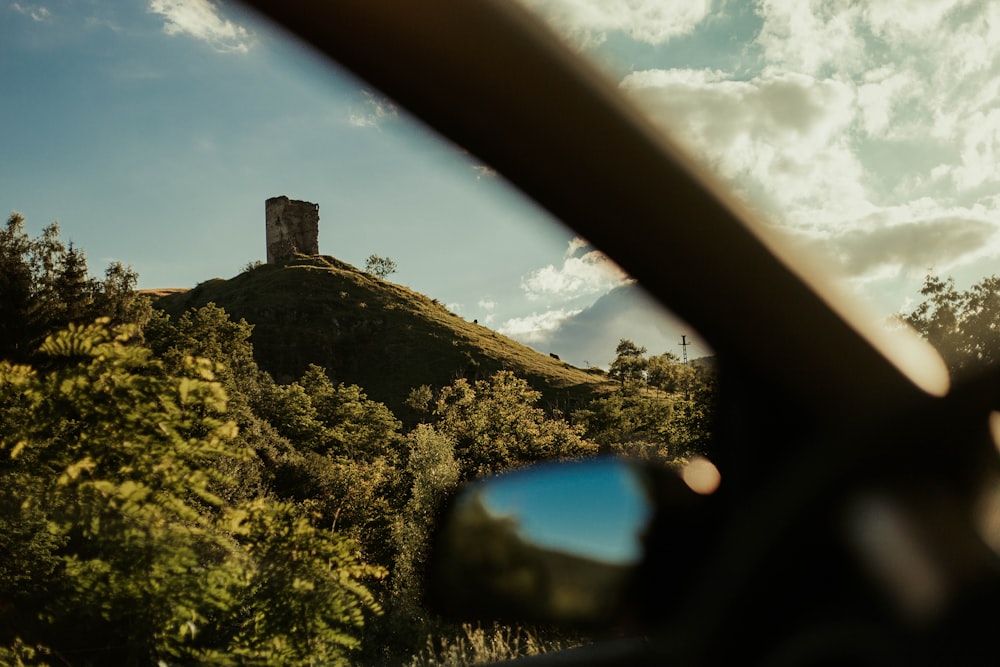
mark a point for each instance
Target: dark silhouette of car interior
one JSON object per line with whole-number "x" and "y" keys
{"x": 851, "y": 524}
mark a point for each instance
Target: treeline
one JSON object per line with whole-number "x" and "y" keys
{"x": 45, "y": 285}
{"x": 963, "y": 326}
{"x": 163, "y": 500}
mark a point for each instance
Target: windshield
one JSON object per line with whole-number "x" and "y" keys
{"x": 255, "y": 325}
{"x": 161, "y": 131}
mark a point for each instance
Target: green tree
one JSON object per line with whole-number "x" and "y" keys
{"x": 354, "y": 426}
{"x": 342, "y": 456}
{"x": 664, "y": 427}
{"x": 419, "y": 399}
{"x": 117, "y": 299}
{"x": 305, "y": 591}
{"x": 667, "y": 373}
{"x": 290, "y": 410}
{"x": 380, "y": 267}
{"x": 120, "y": 546}
{"x": 209, "y": 333}
{"x": 629, "y": 364}
{"x": 356, "y": 498}
{"x": 631, "y": 423}
{"x": 45, "y": 285}
{"x": 119, "y": 460}
{"x": 963, "y": 326}
{"x": 433, "y": 473}
{"x": 335, "y": 420}
{"x": 15, "y": 288}
{"x": 496, "y": 425}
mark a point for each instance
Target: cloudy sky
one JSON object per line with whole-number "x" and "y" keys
{"x": 154, "y": 131}
{"x": 870, "y": 130}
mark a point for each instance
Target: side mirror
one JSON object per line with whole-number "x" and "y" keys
{"x": 563, "y": 543}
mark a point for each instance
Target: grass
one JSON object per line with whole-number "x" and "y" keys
{"x": 478, "y": 646}
{"x": 374, "y": 333}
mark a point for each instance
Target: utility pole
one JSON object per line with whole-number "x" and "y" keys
{"x": 684, "y": 349}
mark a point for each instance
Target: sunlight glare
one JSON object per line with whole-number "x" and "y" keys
{"x": 987, "y": 513}
{"x": 701, "y": 476}
{"x": 893, "y": 553}
{"x": 995, "y": 428}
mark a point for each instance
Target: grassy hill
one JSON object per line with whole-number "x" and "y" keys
{"x": 376, "y": 334}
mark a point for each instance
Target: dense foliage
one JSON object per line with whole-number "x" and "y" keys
{"x": 662, "y": 412}
{"x": 120, "y": 548}
{"x": 629, "y": 365}
{"x": 164, "y": 500}
{"x": 963, "y": 326}
{"x": 381, "y": 336}
{"x": 45, "y": 285}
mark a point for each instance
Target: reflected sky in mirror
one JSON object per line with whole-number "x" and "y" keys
{"x": 597, "y": 509}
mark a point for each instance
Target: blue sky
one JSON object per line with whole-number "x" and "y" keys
{"x": 154, "y": 131}
{"x": 597, "y": 509}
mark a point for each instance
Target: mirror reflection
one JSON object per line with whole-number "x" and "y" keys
{"x": 594, "y": 510}
{"x": 555, "y": 542}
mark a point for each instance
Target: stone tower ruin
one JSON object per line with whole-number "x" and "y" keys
{"x": 292, "y": 227}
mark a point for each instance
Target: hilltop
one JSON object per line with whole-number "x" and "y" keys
{"x": 373, "y": 333}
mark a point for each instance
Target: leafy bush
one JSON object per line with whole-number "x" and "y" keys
{"x": 496, "y": 426}
{"x": 45, "y": 285}
{"x": 381, "y": 267}
{"x": 304, "y": 592}
{"x": 121, "y": 548}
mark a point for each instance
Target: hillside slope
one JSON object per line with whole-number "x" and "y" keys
{"x": 376, "y": 334}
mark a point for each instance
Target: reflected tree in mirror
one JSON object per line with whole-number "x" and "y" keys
{"x": 557, "y": 542}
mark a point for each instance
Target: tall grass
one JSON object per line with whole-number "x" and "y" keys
{"x": 484, "y": 646}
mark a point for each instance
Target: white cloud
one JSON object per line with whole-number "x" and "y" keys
{"x": 589, "y": 337}
{"x": 907, "y": 19}
{"x": 924, "y": 70}
{"x": 201, "y": 19}
{"x": 871, "y": 128}
{"x": 483, "y": 171}
{"x": 537, "y": 327}
{"x": 810, "y": 36}
{"x": 781, "y": 134}
{"x": 575, "y": 245}
{"x": 879, "y": 95}
{"x": 36, "y": 12}
{"x": 93, "y": 22}
{"x": 580, "y": 275}
{"x": 882, "y": 250}
{"x": 980, "y": 151}
{"x": 587, "y": 22}
{"x": 377, "y": 110}
{"x": 488, "y": 305}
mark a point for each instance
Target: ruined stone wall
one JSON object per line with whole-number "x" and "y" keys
{"x": 292, "y": 227}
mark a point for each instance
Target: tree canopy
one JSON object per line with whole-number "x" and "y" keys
{"x": 963, "y": 326}
{"x": 629, "y": 365}
{"x": 164, "y": 500}
{"x": 45, "y": 285}
{"x": 380, "y": 267}
{"x": 113, "y": 484}
{"x": 497, "y": 426}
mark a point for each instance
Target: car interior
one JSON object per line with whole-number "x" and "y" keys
{"x": 849, "y": 522}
